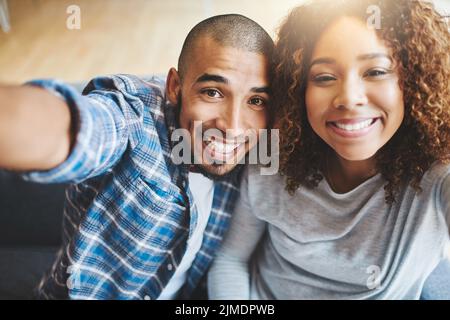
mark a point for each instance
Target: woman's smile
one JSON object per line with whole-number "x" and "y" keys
{"x": 353, "y": 128}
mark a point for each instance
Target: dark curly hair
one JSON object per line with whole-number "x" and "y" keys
{"x": 420, "y": 41}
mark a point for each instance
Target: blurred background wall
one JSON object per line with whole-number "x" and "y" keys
{"x": 115, "y": 36}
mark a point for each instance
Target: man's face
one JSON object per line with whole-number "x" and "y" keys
{"x": 225, "y": 90}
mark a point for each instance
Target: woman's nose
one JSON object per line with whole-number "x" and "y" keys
{"x": 351, "y": 94}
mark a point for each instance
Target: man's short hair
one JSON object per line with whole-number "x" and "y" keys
{"x": 228, "y": 30}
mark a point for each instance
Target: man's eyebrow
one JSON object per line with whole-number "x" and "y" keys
{"x": 206, "y": 77}
{"x": 367, "y": 56}
{"x": 260, "y": 90}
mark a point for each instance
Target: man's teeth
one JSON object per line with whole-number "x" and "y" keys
{"x": 223, "y": 147}
{"x": 354, "y": 126}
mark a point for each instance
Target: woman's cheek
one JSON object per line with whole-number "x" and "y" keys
{"x": 389, "y": 99}
{"x": 317, "y": 102}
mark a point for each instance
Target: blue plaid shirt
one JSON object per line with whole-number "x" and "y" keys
{"x": 128, "y": 212}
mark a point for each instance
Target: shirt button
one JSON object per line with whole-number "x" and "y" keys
{"x": 169, "y": 267}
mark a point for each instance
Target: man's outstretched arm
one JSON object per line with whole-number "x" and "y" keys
{"x": 35, "y": 129}
{"x": 53, "y": 134}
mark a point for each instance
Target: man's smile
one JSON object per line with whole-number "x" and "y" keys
{"x": 222, "y": 150}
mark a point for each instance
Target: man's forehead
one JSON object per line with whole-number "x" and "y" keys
{"x": 210, "y": 50}
{"x": 207, "y": 42}
{"x": 231, "y": 76}
{"x": 229, "y": 62}
{"x": 227, "y": 65}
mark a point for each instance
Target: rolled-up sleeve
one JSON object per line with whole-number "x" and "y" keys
{"x": 106, "y": 120}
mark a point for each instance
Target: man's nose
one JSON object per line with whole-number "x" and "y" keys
{"x": 351, "y": 94}
{"x": 232, "y": 121}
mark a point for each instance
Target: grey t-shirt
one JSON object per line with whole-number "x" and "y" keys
{"x": 318, "y": 244}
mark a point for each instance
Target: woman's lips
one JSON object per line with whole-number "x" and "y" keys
{"x": 353, "y": 128}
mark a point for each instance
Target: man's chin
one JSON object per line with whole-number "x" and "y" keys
{"x": 218, "y": 171}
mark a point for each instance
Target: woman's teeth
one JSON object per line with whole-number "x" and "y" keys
{"x": 354, "y": 126}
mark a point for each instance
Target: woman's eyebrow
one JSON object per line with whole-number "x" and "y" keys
{"x": 370, "y": 56}
{"x": 323, "y": 61}
{"x": 366, "y": 56}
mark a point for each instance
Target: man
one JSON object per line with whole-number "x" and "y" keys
{"x": 137, "y": 224}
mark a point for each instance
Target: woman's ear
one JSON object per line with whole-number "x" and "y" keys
{"x": 173, "y": 86}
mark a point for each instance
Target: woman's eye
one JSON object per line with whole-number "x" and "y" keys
{"x": 212, "y": 93}
{"x": 323, "y": 78}
{"x": 376, "y": 73}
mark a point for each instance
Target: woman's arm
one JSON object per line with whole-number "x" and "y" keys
{"x": 229, "y": 276}
{"x": 445, "y": 199}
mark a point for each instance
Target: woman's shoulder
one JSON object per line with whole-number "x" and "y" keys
{"x": 258, "y": 176}
{"x": 437, "y": 174}
{"x": 440, "y": 175}
{"x": 437, "y": 181}
{"x": 259, "y": 184}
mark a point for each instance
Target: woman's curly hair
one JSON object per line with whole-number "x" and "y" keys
{"x": 420, "y": 41}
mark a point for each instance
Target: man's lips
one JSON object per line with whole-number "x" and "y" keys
{"x": 219, "y": 139}
{"x": 223, "y": 148}
{"x": 219, "y": 150}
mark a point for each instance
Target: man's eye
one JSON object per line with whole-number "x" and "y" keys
{"x": 257, "y": 101}
{"x": 212, "y": 93}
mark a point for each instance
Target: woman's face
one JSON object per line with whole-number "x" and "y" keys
{"x": 353, "y": 99}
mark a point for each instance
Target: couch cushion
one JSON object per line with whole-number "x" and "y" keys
{"x": 21, "y": 269}
{"x": 30, "y": 213}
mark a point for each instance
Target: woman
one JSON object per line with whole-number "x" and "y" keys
{"x": 364, "y": 156}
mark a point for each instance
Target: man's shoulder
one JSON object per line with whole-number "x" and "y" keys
{"x": 149, "y": 84}
{"x": 143, "y": 96}
{"x": 128, "y": 84}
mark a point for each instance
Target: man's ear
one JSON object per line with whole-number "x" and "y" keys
{"x": 173, "y": 86}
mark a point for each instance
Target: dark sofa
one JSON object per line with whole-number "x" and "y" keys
{"x": 30, "y": 233}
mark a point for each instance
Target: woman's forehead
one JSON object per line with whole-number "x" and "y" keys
{"x": 348, "y": 37}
